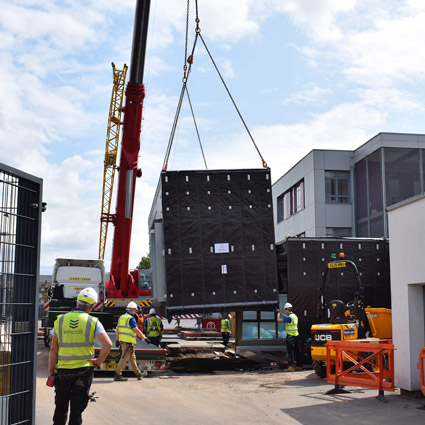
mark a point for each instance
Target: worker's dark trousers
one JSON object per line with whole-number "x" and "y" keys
{"x": 155, "y": 340}
{"x": 225, "y": 336}
{"x": 72, "y": 387}
{"x": 294, "y": 350}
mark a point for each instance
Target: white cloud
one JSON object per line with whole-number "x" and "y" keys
{"x": 389, "y": 52}
{"x": 316, "y": 18}
{"x": 390, "y": 99}
{"x": 55, "y": 80}
{"x": 345, "y": 126}
{"x": 312, "y": 93}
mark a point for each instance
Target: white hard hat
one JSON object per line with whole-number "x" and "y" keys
{"x": 287, "y": 305}
{"x": 152, "y": 311}
{"x": 88, "y": 295}
{"x": 131, "y": 305}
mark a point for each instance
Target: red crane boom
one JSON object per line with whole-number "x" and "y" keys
{"x": 122, "y": 283}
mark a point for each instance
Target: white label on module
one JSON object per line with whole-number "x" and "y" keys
{"x": 224, "y": 269}
{"x": 221, "y": 248}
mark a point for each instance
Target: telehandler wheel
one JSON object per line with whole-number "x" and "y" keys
{"x": 319, "y": 368}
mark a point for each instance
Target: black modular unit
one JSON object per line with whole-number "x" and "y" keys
{"x": 219, "y": 240}
{"x": 306, "y": 263}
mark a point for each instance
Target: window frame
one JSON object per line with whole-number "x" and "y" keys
{"x": 337, "y": 177}
{"x": 293, "y": 200}
{"x": 258, "y": 320}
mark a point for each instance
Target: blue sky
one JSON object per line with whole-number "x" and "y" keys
{"x": 306, "y": 74}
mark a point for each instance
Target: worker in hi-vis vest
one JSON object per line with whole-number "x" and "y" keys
{"x": 153, "y": 327}
{"x": 225, "y": 329}
{"x": 292, "y": 338}
{"x": 126, "y": 334}
{"x": 71, "y": 358}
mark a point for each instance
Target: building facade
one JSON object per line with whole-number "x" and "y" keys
{"x": 345, "y": 193}
{"x": 407, "y": 289}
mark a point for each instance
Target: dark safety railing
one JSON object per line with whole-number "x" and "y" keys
{"x": 20, "y": 217}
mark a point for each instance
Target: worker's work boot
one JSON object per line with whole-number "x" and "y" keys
{"x": 298, "y": 369}
{"x": 119, "y": 378}
{"x": 139, "y": 377}
{"x": 290, "y": 369}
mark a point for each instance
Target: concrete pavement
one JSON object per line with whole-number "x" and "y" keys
{"x": 230, "y": 398}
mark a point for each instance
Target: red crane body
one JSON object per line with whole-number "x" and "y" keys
{"x": 122, "y": 283}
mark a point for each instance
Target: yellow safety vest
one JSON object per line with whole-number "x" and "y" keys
{"x": 225, "y": 325}
{"x": 76, "y": 333}
{"x": 125, "y": 332}
{"x": 154, "y": 326}
{"x": 292, "y": 327}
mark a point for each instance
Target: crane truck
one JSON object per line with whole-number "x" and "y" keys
{"x": 70, "y": 275}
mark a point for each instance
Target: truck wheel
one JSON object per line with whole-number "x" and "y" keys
{"x": 319, "y": 368}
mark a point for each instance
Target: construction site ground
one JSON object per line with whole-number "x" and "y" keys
{"x": 234, "y": 394}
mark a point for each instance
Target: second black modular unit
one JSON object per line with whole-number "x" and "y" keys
{"x": 302, "y": 263}
{"x": 219, "y": 240}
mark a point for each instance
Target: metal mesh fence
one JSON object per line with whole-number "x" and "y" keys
{"x": 20, "y": 212}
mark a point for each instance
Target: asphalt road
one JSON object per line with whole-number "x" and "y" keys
{"x": 230, "y": 398}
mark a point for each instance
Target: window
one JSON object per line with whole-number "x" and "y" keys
{"x": 338, "y": 231}
{"x": 259, "y": 325}
{"x": 337, "y": 184}
{"x": 292, "y": 200}
{"x": 402, "y": 175}
{"x": 279, "y": 208}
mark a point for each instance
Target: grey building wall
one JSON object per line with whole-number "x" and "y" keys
{"x": 317, "y": 215}
{"x": 370, "y": 194}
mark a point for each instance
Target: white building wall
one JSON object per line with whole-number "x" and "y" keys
{"x": 407, "y": 247}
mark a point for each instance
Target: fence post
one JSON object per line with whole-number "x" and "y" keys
{"x": 338, "y": 389}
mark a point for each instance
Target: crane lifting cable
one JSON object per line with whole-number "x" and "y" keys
{"x": 111, "y": 149}
{"x": 184, "y": 90}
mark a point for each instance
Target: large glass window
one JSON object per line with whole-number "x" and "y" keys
{"x": 293, "y": 200}
{"x": 259, "y": 325}
{"x": 338, "y": 231}
{"x": 362, "y": 229}
{"x": 337, "y": 186}
{"x": 375, "y": 182}
{"x": 267, "y": 330}
{"x": 279, "y": 208}
{"x": 402, "y": 177}
{"x": 361, "y": 193}
{"x": 376, "y": 227}
{"x": 423, "y": 168}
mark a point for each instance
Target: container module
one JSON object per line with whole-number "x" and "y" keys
{"x": 302, "y": 263}
{"x": 218, "y": 240}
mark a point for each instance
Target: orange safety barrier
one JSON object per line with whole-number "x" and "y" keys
{"x": 421, "y": 369}
{"x": 367, "y": 364}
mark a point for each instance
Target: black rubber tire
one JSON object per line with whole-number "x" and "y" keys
{"x": 319, "y": 368}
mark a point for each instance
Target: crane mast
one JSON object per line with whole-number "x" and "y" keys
{"x": 123, "y": 284}
{"x": 111, "y": 150}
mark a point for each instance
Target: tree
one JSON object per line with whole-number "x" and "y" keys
{"x": 145, "y": 262}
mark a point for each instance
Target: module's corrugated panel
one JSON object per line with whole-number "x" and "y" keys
{"x": 219, "y": 240}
